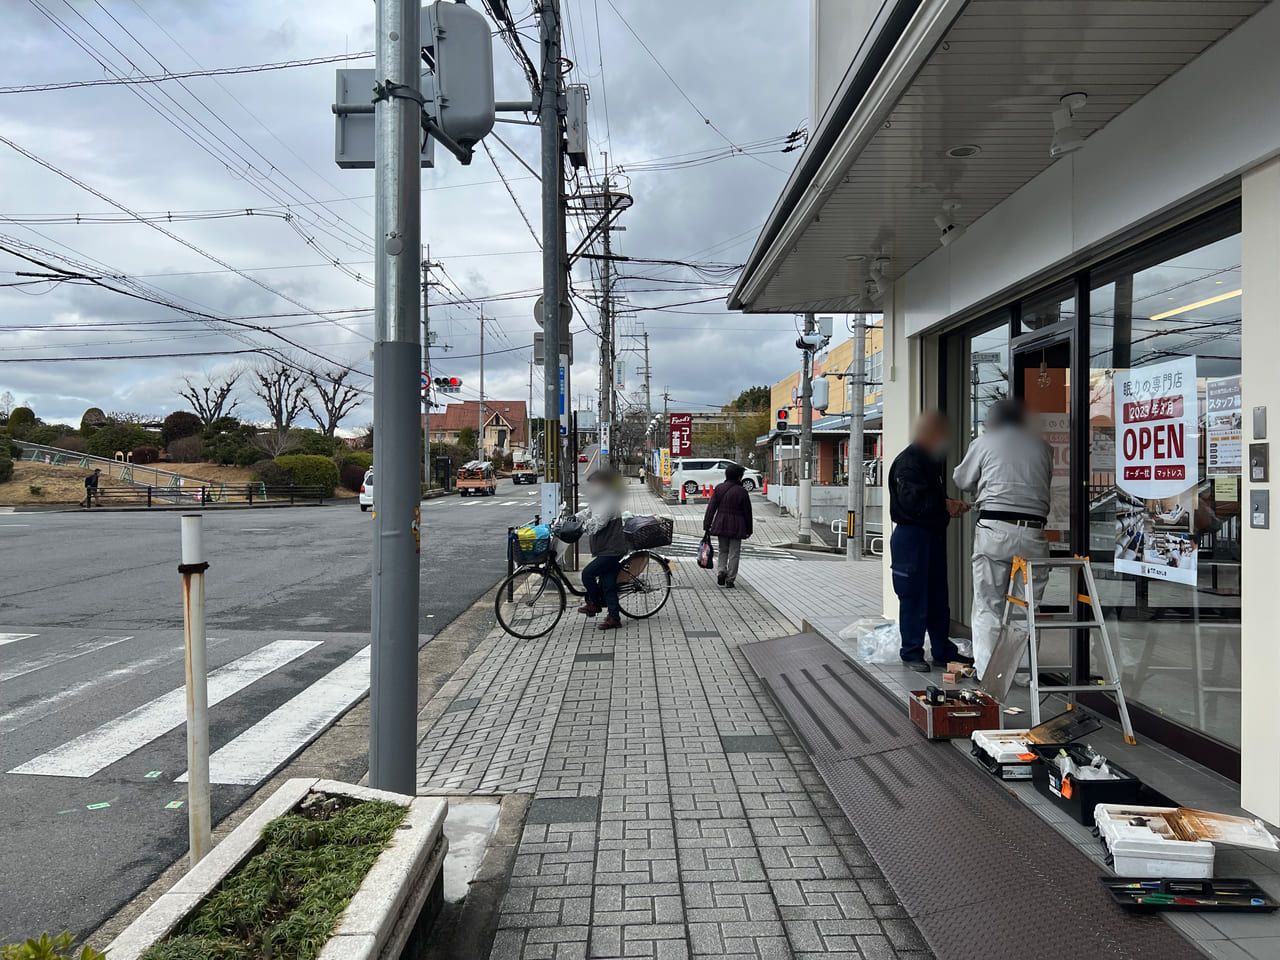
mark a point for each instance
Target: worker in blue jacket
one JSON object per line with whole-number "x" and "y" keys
{"x": 921, "y": 510}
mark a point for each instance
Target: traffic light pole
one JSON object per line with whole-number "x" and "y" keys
{"x": 856, "y": 525}
{"x": 549, "y": 120}
{"x": 805, "y": 505}
{"x": 393, "y": 688}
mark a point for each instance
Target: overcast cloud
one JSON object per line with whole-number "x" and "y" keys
{"x": 743, "y": 62}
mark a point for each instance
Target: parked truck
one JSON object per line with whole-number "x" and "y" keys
{"x": 523, "y": 469}
{"x": 477, "y": 479}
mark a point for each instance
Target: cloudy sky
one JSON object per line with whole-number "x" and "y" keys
{"x": 216, "y": 147}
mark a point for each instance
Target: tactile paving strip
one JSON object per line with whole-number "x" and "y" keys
{"x": 981, "y": 875}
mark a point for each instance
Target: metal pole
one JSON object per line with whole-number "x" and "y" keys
{"x": 804, "y": 506}
{"x": 549, "y": 119}
{"x": 648, "y": 397}
{"x": 426, "y": 371}
{"x": 393, "y": 692}
{"x": 480, "y": 435}
{"x": 192, "y": 568}
{"x": 857, "y": 521}
{"x": 606, "y": 336}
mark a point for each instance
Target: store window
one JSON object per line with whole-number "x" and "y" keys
{"x": 1165, "y": 445}
{"x": 1055, "y": 305}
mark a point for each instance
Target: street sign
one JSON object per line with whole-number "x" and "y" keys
{"x": 986, "y": 356}
{"x": 681, "y": 433}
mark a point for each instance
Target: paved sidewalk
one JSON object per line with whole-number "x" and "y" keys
{"x": 674, "y": 814}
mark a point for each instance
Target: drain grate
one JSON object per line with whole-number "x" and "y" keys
{"x": 980, "y": 874}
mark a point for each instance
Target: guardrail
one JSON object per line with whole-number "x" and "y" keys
{"x": 140, "y": 475}
{"x": 874, "y": 538}
{"x": 211, "y": 494}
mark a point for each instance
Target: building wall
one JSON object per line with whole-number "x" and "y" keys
{"x": 837, "y": 29}
{"x": 1260, "y": 344}
{"x": 1205, "y": 125}
{"x": 836, "y": 360}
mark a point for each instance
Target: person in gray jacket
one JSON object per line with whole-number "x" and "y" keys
{"x": 1011, "y": 469}
{"x": 603, "y": 520}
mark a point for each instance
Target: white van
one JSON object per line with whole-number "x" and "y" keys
{"x": 694, "y": 474}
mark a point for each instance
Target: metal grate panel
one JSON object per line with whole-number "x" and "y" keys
{"x": 981, "y": 875}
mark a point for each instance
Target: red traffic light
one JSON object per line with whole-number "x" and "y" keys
{"x": 782, "y": 413}
{"x": 455, "y": 382}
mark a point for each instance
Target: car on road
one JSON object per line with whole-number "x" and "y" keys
{"x": 366, "y": 491}
{"x": 693, "y": 475}
{"x": 522, "y": 471}
{"x": 583, "y": 458}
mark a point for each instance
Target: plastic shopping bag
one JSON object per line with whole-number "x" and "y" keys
{"x": 706, "y": 554}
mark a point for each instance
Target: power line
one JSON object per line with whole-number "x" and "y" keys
{"x": 159, "y": 78}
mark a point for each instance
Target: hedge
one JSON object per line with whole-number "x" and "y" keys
{"x": 305, "y": 470}
{"x": 359, "y": 458}
{"x": 270, "y": 473}
{"x": 6, "y": 468}
{"x": 353, "y": 477}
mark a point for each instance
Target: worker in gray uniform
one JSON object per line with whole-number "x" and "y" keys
{"x": 1010, "y": 469}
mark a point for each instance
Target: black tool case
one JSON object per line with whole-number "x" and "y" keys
{"x": 1000, "y": 752}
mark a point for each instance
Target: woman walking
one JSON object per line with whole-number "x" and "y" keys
{"x": 728, "y": 519}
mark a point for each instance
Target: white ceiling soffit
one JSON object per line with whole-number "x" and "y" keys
{"x": 992, "y": 78}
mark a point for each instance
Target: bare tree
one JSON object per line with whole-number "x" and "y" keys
{"x": 275, "y": 442}
{"x": 333, "y": 398}
{"x": 6, "y": 404}
{"x": 281, "y": 388}
{"x": 212, "y": 399}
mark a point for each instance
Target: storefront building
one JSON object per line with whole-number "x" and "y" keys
{"x": 1124, "y": 287}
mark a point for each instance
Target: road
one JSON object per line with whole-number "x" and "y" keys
{"x": 92, "y": 738}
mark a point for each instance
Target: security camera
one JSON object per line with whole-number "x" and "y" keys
{"x": 882, "y": 284}
{"x": 948, "y": 229}
{"x": 1066, "y": 138}
{"x": 810, "y": 341}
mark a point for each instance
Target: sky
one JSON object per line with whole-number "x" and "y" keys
{"x": 716, "y": 75}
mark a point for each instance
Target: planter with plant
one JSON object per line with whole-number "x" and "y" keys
{"x": 60, "y": 947}
{"x": 320, "y": 871}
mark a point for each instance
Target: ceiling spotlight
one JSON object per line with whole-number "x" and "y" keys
{"x": 878, "y": 280}
{"x": 1066, "y": 138}
{"x": 946, "y": 221}
{"x": 963, "y": 151}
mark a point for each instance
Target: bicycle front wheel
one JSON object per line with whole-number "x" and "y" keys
{"x": 529, "y": 603}
{"x": 644, "y": 584}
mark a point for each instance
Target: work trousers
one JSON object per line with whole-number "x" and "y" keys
{"x": 600, "y": 577}
{"x": 995, "y": 544}
{"x": 919, "y": 560}
{"x": 729, "y": 550}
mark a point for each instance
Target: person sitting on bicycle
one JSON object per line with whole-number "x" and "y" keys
{"x": 603, "y": 519}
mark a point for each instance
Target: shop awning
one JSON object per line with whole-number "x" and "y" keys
{"x": 935, "y": 79}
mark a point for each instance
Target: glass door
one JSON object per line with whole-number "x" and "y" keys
{"x": 1042, "y": 381}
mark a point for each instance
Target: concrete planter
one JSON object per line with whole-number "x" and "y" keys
{"x": 405, "y": 883}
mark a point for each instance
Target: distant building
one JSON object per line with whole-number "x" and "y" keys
{"x": 506, "y": 424}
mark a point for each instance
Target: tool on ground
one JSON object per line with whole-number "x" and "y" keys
{"x": 1009, "y": 648}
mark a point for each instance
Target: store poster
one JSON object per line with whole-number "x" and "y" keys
{"x": 1157, "y": 450}
{"x": 1056, "y": 430}
{"x": 1224, "y": 427}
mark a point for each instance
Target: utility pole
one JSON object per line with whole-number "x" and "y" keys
{"x": 606, "y": 330}
{"x": 805, "y": 506}
{"x": 393, "y": 690}
{"x": 427, "y": 266}
{"x": 648, "y": 399}
{"x": 549, "y": 113}
{"x": 480, "y": 435}
{"x": 856, "y": 524}
{"x": 528, "y": 414}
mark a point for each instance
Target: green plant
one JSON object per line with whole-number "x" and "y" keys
{"x": 312, "y": 442}
{"x": 270, "y": 473}
{"x": 352, "y": 476}
{"x": 360, "y": 458}
{"x": 180, "y": 424}
{"x": 6, "y": 468}
{"x": 115, "y": 438}
{"x": 21, "y": 420}
{"x": 305, "y": 470}
{"x": 467, "y": 440}
{"x": 73, "y": 443}
{"x": 186, "y": 450}
{"x": 287, "y": 899}
{"x": 92, "y": 420}
{"x": 227, "y": 440}
{"x": 60, "y": 947}
{"x": 35, "y": 491}
{"x": 146, "y": 454}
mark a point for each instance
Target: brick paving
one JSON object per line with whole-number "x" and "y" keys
{"x": 771, "y": 527}
{"x": 674, "y": 814}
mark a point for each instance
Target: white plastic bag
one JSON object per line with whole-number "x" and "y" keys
{"x": 963, "y": 647}
{"x": 882, "y": 644}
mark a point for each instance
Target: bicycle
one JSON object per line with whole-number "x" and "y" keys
{"x": 532, "y": 599}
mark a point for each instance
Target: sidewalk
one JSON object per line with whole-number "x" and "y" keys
{"x": 674, "y": 814}
{"x": 771, "y": 527}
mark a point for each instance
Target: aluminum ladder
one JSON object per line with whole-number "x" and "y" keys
{"x": 1075, "y": 567}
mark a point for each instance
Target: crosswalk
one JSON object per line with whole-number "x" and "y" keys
{"x": 266, "y": 704}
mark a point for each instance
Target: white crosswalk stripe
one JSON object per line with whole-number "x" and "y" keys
{"x": 268, "y": 744}
{"x": 14, "y": 637}
{"x": 114, "y": 740}
{"x": 92, "y": 645}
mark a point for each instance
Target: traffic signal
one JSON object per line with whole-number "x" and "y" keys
{"x": 782, "y": 418}
{"x": 448, "y": 384}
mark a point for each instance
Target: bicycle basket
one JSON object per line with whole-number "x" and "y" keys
{"x": 647, "y": 532}
{"x": 530, "y": 544}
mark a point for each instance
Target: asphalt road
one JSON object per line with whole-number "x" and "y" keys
{"x": 91, "y": 674}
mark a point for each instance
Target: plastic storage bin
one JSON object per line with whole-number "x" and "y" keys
{"x": 1178, "y": 842}
{"x": 1002, "y": 752}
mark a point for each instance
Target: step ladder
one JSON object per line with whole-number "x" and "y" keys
{"x": 1076, "y": 567}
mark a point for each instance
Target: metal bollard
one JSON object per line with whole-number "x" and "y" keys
{"x": 148, "y": 496}
{"x": 192, "y": 568}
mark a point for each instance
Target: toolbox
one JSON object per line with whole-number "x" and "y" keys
{"x": 944, "y": 716}
{"x": 1179, "y": 896}
{"x": 1173, "y": 841}
{"x": 1005, "y": 753}
{"x": 1078, "y": 796}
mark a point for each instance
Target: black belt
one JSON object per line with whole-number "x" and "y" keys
{"x": 1008, "y": 516}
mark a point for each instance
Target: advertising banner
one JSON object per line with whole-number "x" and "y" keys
{"x": 1224, "y": 427}
{"x": 1056, "y": 430}
{"x": 681, "y": 426}
{"x": 1157, "y": 445}
{"x": 665, "y": 463}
